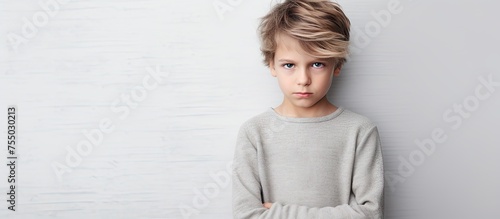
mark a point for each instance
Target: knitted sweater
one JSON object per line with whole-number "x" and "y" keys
{"x": 315, "y": 167}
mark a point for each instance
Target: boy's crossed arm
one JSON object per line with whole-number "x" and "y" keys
{"x": 367, "y": 197}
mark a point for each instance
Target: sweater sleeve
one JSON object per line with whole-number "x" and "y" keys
{"x": 367, "y": 186}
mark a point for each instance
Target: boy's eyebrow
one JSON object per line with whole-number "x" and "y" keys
{"x": 285, "y": 60}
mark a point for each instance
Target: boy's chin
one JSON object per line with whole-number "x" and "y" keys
{"x": 305, "y": 104}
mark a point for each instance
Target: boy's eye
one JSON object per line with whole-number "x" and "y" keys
{"x": 318, "y": 65}
{"x": 288, "y": 65}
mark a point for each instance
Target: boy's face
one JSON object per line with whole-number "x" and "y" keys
{"x": 298, "y": 72}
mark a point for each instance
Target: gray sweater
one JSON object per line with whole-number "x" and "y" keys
{"x": 317, "y": 167}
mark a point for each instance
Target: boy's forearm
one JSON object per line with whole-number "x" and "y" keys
{"x": 281, "y": 211}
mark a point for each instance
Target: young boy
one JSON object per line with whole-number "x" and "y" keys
{"x": 307, "y": 158}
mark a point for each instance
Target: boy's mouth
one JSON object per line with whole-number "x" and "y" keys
{"x": 302, "y": 94}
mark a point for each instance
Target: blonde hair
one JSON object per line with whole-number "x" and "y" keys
{"x": 320, "y": 26}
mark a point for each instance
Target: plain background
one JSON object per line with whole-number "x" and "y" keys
{"x": 162, "y": 157}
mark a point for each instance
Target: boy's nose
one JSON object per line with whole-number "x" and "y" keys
{"x": 303, "y": 78}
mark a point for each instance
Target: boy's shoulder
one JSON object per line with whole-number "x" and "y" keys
{"x": 356, "y": 119}
{"x": 257, "y": 120}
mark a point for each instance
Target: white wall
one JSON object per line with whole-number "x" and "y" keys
{"x": 75, "y": 70}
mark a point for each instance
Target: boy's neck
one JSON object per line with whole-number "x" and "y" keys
{"x": 321, "y": 108}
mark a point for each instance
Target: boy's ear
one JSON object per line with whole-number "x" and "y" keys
{"x": 271, "y": 67}
{"x": 336, "y": 72}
